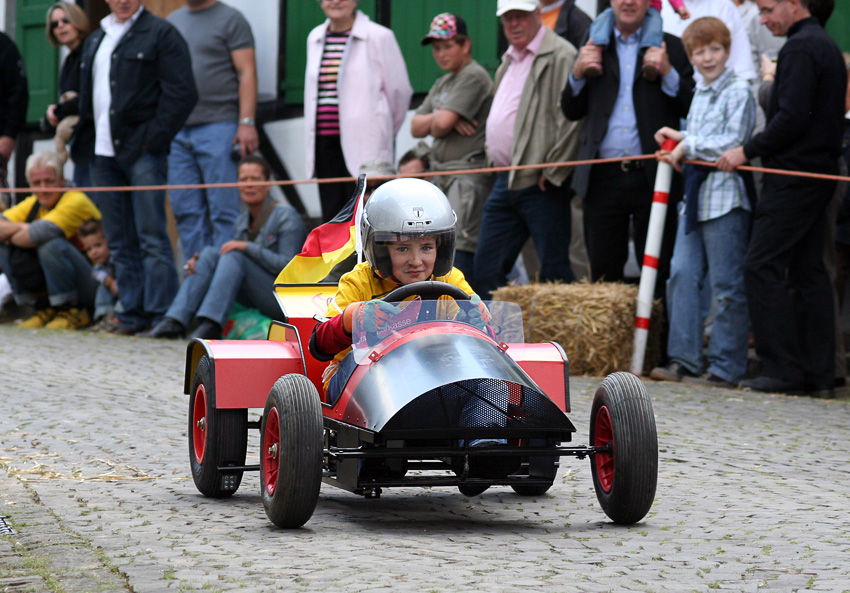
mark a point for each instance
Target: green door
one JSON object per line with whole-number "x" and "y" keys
{"x": 301, "y": 18}
{"x": 410, "y": 23}
{"x": 839, "y": 25}
{"x": 40, "y": 58}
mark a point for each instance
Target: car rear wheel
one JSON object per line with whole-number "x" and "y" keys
{"x": 217, "y": 438}
{"x": 529, "y": 490}
{"x": 291, "y": 450}
{"x": 538, "y": 467}
{"x": 626, "y": 476}
{"x": 472, "y": 489}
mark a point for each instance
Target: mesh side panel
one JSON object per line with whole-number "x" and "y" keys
{"x": 478, "y": 403}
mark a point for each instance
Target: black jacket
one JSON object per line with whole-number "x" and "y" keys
{"x": 69, "y": 80}
{"x": 805, "y": 114}
{"x": 153, "y": 90}
{"x": 653, "y": 108}
{"x": 573, "y": 24}
{"x": 82, "y": 142}
{"x": 14, "y": 95}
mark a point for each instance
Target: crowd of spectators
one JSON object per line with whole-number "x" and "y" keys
{"x": 566, "y": 89}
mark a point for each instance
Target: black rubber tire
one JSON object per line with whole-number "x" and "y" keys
{"x": 529, "y": 490}
{"x": 625, "y": 481}
{"x": 222, "y": 439}
{"x": 290, "y": 479}
{"x": 538, "y": 467}
{"x": 472, "y": 489}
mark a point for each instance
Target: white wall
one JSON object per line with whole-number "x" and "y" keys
{"x": 287, "y": 137}
{"x": 589, "y": 6}
{"x": 264, "y": 17}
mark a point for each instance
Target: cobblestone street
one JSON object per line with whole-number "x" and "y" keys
{"x": 94, "y": 477}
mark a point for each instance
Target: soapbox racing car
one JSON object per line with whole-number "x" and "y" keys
{"x": 432, "y": 401}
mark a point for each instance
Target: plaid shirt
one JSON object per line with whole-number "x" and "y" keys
{"x": 722, "y": 116}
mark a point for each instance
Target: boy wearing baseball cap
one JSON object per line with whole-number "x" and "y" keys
{"x": 454, "y": 113}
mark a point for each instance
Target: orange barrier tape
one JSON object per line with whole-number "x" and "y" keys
{"x": 428, "y": 174}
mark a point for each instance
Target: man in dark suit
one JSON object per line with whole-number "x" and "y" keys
{"x": 622, "y": 112}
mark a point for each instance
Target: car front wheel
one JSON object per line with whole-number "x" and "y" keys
{"x": 626, "y": 475}
{"x": 291, "y": 450}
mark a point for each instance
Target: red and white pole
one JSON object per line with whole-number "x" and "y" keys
{"x": 652, "y": 251}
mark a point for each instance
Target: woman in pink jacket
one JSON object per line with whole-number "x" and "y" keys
{"x": 356, "y": 94}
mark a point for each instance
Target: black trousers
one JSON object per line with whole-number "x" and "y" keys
{"x": 793, "y": 329}
{"x": 615, "y": 200}
{"x": 331, "y": 163}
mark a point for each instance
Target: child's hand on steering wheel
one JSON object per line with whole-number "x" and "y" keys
{"x": 477, "y": 315}
{"x": 369, "y": 316}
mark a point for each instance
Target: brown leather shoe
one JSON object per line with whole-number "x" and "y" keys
{"x": 123, "y": 331}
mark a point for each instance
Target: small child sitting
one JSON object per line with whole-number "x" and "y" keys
{"x": 714, "y": 219}
{"x": 652, "y": 34}
{"x": 106, "y": 300}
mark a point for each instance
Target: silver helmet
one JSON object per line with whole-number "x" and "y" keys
{"x": 407, "y": 208}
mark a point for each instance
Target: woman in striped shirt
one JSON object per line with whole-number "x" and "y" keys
{"x": 356, "y": 94}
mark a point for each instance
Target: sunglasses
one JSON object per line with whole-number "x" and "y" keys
{"x": 63, "y": 20}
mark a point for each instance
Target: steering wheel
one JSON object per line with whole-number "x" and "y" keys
{"x": 429, "y": 290}
{"x": 432, "y": 290}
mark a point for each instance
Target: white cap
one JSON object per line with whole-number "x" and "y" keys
{"x": 525, "y": 5}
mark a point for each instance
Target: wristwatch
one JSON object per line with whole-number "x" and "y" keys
{"x": 247, "y": 121}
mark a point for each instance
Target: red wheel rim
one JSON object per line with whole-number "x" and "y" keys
{"x": 271, "y": 451}
{"x": 603, "y": 434}
{"x": 199, "y": 423}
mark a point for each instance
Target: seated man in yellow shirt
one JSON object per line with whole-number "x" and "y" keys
{"x": 39, "y": 250}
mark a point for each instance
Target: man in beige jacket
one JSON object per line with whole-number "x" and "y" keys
{"x": 526, "y": 127}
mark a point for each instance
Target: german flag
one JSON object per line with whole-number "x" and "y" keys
{"x": 327, "y": 245}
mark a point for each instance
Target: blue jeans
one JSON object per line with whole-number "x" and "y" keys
{"x": 343, "y": 373}
{"x": 134, "y": 226}
{"x": 510, "y": 217}
{"x": 105, "y": 303}
{"x": 652, "y": 33}
{"x": 201, "y": 154}
{"x": 713, "y": 252}
{"x": 218, "y": 281}
{"x": 66, "y": 271}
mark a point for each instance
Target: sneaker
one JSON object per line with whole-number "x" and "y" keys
{"x": 72, "y": 318}
{"x": 41, "y": 318}
{"x": 105, "y": 325}
{"x": 709, "y": 380}
{"x": 672, "y": 372}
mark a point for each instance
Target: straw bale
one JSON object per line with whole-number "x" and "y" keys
{"x": 593, "y": 323}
